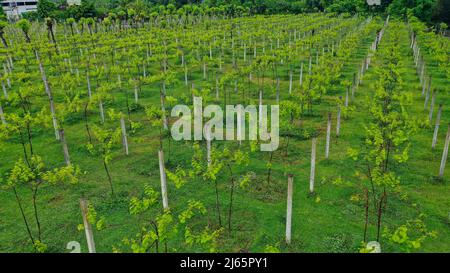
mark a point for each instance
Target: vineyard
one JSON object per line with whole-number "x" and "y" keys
{"x": 87, "y": 153}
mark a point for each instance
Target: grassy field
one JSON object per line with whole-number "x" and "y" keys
{"x": 329, "y": 221}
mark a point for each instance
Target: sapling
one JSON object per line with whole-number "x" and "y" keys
{"x": 34, "y": 175}
{"x": 230, "y": 160}
{"x": 208, "y": 172}
{"x": 290, "y": 111}
{"x": 158, "y": 230}
{"x": 106, "y": 138}
{"x": 387, "y": 135}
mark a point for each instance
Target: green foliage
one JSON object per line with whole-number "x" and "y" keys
{"x": 164, "y": 227}
{"x": 422, "y": 9}
{"x": 24, "y": 25}
{"x": 350, "y": 6}
{"x": 35, "y": 174}
{"x": 2, "y": 13}
{"x": 106, "y": 139}
{"x": 271, "y": 249}
{"x": 126, "y": 47}
{"x": 45, "y": 8}
{"x": 388, "y": 134}
{"x": 150, "y": 198}
{"x": 206, "y": 238}
{"x": 410, "y": 236}
{"x": 135, "y": 10}
{"x": 40, "y": 247}
{"x": 190, "y": 211}
{"x": 178, "y": 177}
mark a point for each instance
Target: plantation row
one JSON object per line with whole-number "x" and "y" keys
{"x": 349, "y": 122}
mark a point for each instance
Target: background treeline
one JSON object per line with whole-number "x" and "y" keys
{"x": 429, "y": 11}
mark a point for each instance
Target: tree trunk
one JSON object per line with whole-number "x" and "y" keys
{"x": 105, "y": 165}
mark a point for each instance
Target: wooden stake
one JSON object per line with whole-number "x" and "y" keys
{"x": 301, "y": 74}
{"x": 124, "y": 135}
{"x": 278, "y": 90}
{"x": 310, "y": 65}
{"x": 5, "y": 92}
{"x": 204, "y": 70}
{"x": 433, "y": 98}
{"x": 217, "y": 88}
{"x": 2, "y": 115}
{"x": 260, "y": 108}
{"x": 445, "y": 154}
{"x": 424, "y": 86}
{"x": 87, "y": 226}
{"x": 338, "y": 125}
{"x": 89, "y": 86}
{"x": 427, "y": 97}
{"x": 313, "y": 165}
{"x": 346, "y": 97}
{"x": 436, "y": 127}
{"x": 64, "y": 145}
{"x": 102, "y": 113}
{"x": 289, "y": 208}
{"x": 354, "y": 85}
{"x": 163, "y": 108}
{"x": 185, "y": 75}
{"x": 162, "y": 173}
{"x": 327, "y": 149}
{"x": 136, "y": 95}
{"x": 290, "y": 81}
